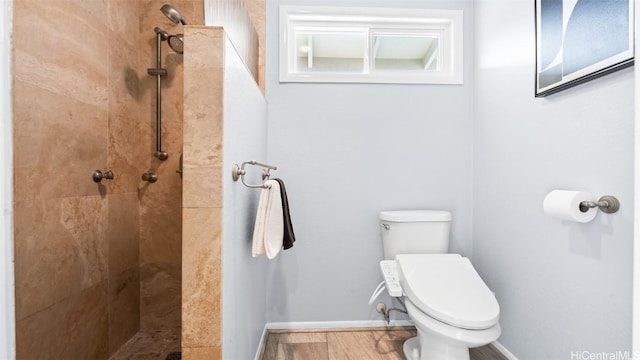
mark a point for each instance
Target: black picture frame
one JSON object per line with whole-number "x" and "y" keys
{"x": 580, "y": 40}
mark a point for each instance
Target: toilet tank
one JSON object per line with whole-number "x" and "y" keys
{"x": 415, "y": 232}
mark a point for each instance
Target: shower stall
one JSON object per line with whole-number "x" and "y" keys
{"x": 99, "y": 267}
{"x": 96, "y": 263}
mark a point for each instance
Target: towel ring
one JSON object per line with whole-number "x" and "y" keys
{"x": 238, "y": 172}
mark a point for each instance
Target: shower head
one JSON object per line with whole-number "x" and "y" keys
{"x": 173, "y": 14}
{"x": 163, "y": 34}
{"x": 176, "y": 43}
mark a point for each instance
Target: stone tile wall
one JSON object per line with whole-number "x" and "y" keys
{"x": 96, "y": 262}
{"x": 161, "y": 202}
{"x": 224, "y": 122}
{"x": 76, "y": 241}
{"x": 202, "y": 202}
{"x": 243, "y": 21}
{"x": 93, "y": 262}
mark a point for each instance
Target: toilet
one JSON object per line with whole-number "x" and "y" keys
{"x": 452, "y": 308}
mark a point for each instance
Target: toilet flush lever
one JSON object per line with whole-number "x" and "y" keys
{"x": 385, "y": 226}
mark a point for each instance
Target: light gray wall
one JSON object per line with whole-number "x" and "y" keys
{"x": 348, "y": 151}
{"x": 562, "y": 286}
{"x": 635, "y": 332}
{"x": 7, "y": 329}
{"x": 244, "y": 277}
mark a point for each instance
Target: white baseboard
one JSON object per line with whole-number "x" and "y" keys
{"x": 504, "y": 351}
{"x": 263, "y": 340}
{"x": 334, "y": 324}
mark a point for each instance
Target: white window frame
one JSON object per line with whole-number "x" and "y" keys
{"x": 447, "y": 23}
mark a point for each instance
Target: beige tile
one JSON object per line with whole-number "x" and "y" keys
{"x": 203, "y": 130}
{"x": 203, "y": 125}
{"x": 202, "y": 277}
{"x": 161, "y": 228}
{"x": 50, "y": 54}
{"x": 82, "y": 101}
{"x": 202, "y": 353}
{"x": 58, "y": 142}
{"x": 123, "y": 307}
{"x": 149, "y": 345}
{"x": 130, "y": 131}
{"x": 60, "y": 249}
{"x": 123, "y": 18}
{"x": 203, "y": 186}
{"x": 256, "y": 10}
{"x": 234, "y": 17}
{"x": 160, "y": 297}
{"x": 74, "y": 328}
{"x": 206, "y": 46}
{"x": 123, "y": 232}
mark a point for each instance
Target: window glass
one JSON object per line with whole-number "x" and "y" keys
{"x": 406, "y": 51}
{"x": 330, "y": 51}
{"x": 343, "y": 44}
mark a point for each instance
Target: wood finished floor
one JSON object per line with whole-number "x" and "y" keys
{"x": 349, "y": 344}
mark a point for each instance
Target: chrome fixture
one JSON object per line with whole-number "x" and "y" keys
{"x": 159, "y": 72}
{"x": 238, "y": 172}
{"x": 173, "y": 14}
{"x": 99, "y": 175}
{"x": 607, "y": 204}
{"x": 150, "y": 177}
{"x": 176, "y": 43}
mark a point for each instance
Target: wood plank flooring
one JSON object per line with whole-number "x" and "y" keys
{"x": 349, "y": 344}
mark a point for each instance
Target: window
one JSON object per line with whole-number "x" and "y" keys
{"x": 340, "y": 44}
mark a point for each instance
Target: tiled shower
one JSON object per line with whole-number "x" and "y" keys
{"x": 94, "y": 263}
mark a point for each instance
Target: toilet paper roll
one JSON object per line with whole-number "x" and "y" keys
{"x": 565, "y": 205}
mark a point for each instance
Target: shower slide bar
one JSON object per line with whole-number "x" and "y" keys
{"x": 176, "y": 44}
{"x": 159, "y": 72}
{"x": 238, "y": 172}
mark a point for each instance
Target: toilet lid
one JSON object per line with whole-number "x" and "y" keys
{"x": 448, "y": 288}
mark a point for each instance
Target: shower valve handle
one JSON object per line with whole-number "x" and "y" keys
{"x": 150, "y": 177}
{"x": 99, "y": 175}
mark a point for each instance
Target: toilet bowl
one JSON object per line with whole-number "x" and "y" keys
{"x": 450, "y": 305}
{"x": 452, "y": 308}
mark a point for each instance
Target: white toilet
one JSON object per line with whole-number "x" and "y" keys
{"x": 452, "y": 308}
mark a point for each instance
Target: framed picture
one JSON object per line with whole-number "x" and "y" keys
{"x": 580, "y": 40}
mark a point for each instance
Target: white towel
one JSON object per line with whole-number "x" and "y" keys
{"x": 268, "y": 231}
{"x": 258, "y": 228}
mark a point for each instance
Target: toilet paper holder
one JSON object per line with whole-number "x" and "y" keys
{"x": 607, "y": 204}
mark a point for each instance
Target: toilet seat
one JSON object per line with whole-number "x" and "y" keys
{"x": 472, "y": 338}
{"x": 447, "y": 288}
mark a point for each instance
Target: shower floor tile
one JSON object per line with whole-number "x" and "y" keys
{"x": 349, "y": 344}
{"x": 149, "y": 345}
